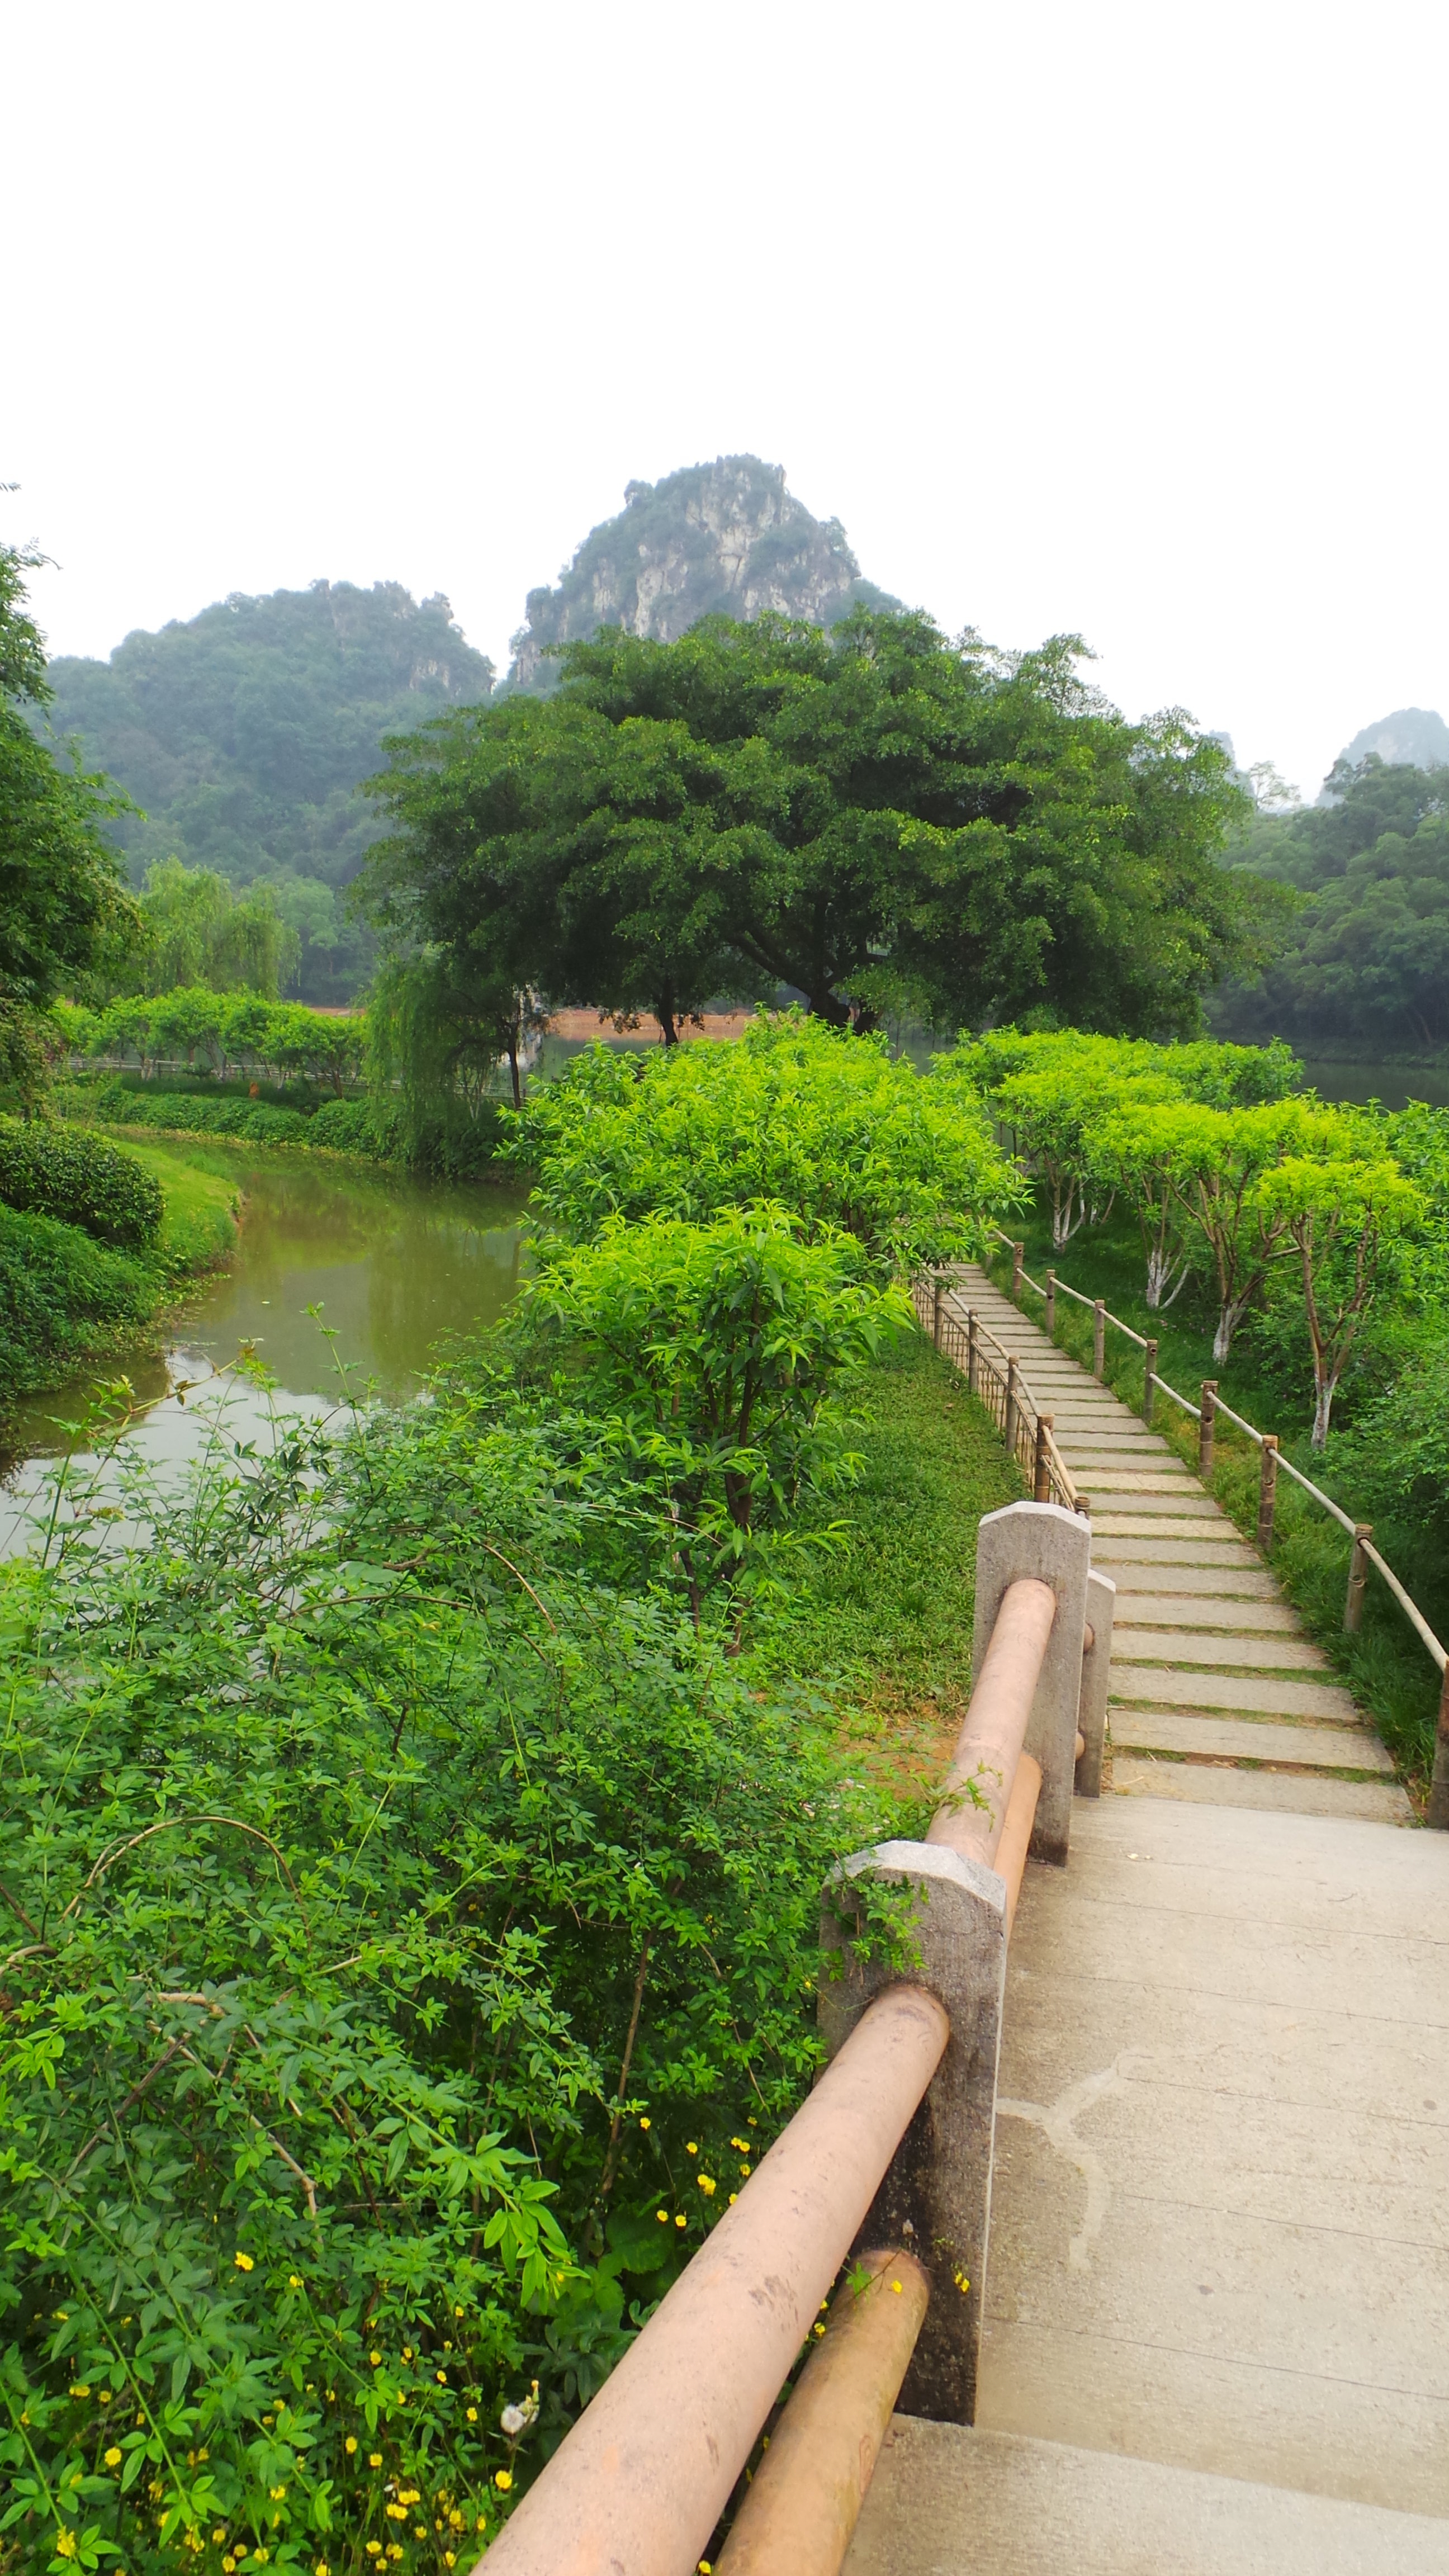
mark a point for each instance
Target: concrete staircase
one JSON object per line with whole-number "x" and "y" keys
{"x": 1216, "y": 2333}
{"x": 1217, "y": 1694}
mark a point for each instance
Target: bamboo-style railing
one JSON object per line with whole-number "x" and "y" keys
{"x": 1205, "y": 1412}
{"x": 994, "y": 1376}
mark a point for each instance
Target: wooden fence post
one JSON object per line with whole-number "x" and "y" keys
{"x": 1205, "y": 1427}
{"x": 1099, "y": 1338}
{"x": 1438, "y": 1810}
{"x": 1357, "y": 1574}
{"x": 1267, "y": 1486}
{"x": 1041, "y": 1474}
{"x": 1008, "y": 1427}
{"x": 972, "y": 1373}
{"x": 1018, "y": 1256}
{"x": 1149, "y": 1383}
{"x": 1051, "y": 1303}
{"x": 937, "y": 1294}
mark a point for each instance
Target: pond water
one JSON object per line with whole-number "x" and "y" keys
{"x": 1393, "y": 1084}
{"x": 390, "y": 1264}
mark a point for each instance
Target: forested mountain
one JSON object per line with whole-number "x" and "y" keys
{"x": 243, "y": 734}
{"x": 1366, "y": 961}
{"x": 1413, "y": 737}
{"x": 725, "y": 537}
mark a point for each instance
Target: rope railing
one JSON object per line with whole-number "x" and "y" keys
{"x": 994, "y": 1376}
{"x": 646, "y": 2472}
{"x": 1206, "y": 1412}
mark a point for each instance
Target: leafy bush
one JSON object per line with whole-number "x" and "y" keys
{"x": 241, "y": 1030}
{"x": 713, "y": 1350}
{"x": 415, "y": 1943}
{"x": 184, "y": 1113}
{"x": 64, "y": 1172}
{"x": 794, "y": 1112}
{"x": 355, "y": 1127}
{"x": 63, "y": 1299}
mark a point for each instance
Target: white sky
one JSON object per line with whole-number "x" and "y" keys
{"x": 1126, "y": 319}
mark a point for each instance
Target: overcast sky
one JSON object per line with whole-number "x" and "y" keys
{"x": 1124, "y": 319}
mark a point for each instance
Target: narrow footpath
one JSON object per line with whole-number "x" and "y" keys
{"x": 1216, "y": 2337}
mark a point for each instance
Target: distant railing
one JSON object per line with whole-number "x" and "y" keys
{"x": 1205, "y": 1412}
{"x": 890, "y": 2155}
{"x": 994, "y": 1375}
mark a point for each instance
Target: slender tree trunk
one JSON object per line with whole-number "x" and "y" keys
{"x": 1230, "y": 1315}
{"x": 513, "y": 1068}
{"x": 1324, "y": 1390}
{"x": 667, "y": 1028}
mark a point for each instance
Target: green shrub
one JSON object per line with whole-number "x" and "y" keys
{"x": 355, "y": 1127}
{"x": 63, "y": 1299}
{"x": 64, "y": 1172}
{"x": 823, "y": 1123}
{"x": 425, "y": 1944}
{"x": 183, "y": 1113}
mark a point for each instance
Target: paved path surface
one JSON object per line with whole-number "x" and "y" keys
{"x": 1216, "y": 2337}
{"x": 1218, "y": 1696}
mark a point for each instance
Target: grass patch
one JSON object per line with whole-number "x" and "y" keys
{"x": 202, "y": 1207}
{"x": 883, "y": 1615}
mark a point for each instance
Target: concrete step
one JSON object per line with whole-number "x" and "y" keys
{"x": 1186, "y": 1732}
{"x": 1182, "y": 1608}
{"x": 1152, "y": 1643}
{"x": 1264, "y": 1696}
{"x": 1283, "y": 1793}
{"x": 1178, "y": 1547}
{"x": 951, "y": 2501}
{"x": 1245, "y": 1587}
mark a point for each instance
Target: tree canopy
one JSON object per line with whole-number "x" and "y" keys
{"x": 62, "y": 905}
{"x": 1365, "y": 959}
{"x": 871, "y": 817}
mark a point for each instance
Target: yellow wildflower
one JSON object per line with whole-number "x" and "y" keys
{"x": 294, "y": 2280}
{"x": 65, "y": 2543}
{"x": 374, "y": 2549}
{"x": 374, "y": 2358}
{"x": 442, "y": 2377}
{"x": 663, "y": 2217}
{"x": 321, "y": 2568}
{"x": 396, "y": 2512}
{"x": 646, "y": 2124}
{"x": 448, "y": 2558}
{"x": 244, "y": 2262}
{"x": 707, "y": 2185}
{"x": 113, "y": 2456}
{"x": 681, "y": 2220}
{"x": 895, "y": 2285}
{"x": 407, "y": 2352}
{"x": 82, "y": 2389}
{"x": 374, "y": 2459}
{"x": 350, "y": 2444}
{"x": 690, "y": 2148}
{"x": 503, "y": 2480}
{"x": 472, "y": 2414}
{"x": 228, "y": 2567}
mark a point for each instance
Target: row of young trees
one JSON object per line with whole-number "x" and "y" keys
{"x": 218, "y": 1033}
{"x": 1232, "y": 1173}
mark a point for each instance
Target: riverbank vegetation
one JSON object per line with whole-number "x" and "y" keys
{"x": 96, "y": 1239}
{"x": 414, "y": 1851}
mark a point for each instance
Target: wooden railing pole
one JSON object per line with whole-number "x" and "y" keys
{"x": 972, "y": 1370}
{"x": 1051, "y": 1303}
{"x": 1008, "y": 1428}
{"x": 1267, "y": 1487}
{"x": 938, "y": 1292}
{"x": 1149, "y": 1384}
{"x": 1018, "y": 1258}
{"x": 1041, "y": 1477}
{"x": 1205, "y": 1422}
{"x": 1438, "y": 1810}
{"x": 1099, "y": 1338}
{"x": 1357, "y": 1574}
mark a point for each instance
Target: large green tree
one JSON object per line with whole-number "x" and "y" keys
{"x": 869, "y": 816}
{"x": 62, "y": 906}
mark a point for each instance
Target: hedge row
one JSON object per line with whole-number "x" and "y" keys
{"x": 343, "y": 1126}
{"x": 65, "y": 1172}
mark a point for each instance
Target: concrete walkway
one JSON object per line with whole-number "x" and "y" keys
{"x": 1216, "y": 2335}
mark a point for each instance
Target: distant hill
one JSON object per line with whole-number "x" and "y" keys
{"x": 243, "y": 733}
{"x": 726, "y": 537}
{"x": 1414, "y": 737}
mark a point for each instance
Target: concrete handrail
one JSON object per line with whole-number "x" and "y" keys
{"x": 643, "y": 2476}
{"x": 1273, "y": 1460}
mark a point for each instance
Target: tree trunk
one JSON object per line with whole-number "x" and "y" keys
{"x": 513, "y": 1068}
{"x": 1230, "y": 1316}
{"x": 1324, "y": 1391}
{"x": 667, "y": 1029}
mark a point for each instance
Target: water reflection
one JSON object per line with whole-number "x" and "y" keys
{"x": 392, "y": 1264}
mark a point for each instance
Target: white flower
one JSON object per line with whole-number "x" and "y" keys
{"x": 514, "y": 2421}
